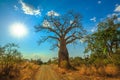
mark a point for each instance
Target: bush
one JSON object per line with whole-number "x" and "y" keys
{"x": 101, "y": 71}
{"x": 111, "y": 70}
{"x": 9, "y": 59}
{"x": 93, "y": 70}
{"x": 77, "y": 61}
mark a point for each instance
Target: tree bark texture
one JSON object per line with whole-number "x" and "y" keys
{"x": 63, "y": 55}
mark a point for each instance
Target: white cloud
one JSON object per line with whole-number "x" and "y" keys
{"x": 15, "y": 7}
{"x": 99, "y": 2}
{"x": 93, "y": 29}
{"x": 84, "y": 39}
{"x": 46, "y": 23}
{"x": 93, "y": 19}
{"x": 113, "y": 14}
{"x": 116, "y": 5}
{"x": 71, "y": 21}
{"x": 29, "y": 9}
{"x": 52, "y": 13}
{"x": 109, "y": 15}
{"x": 118, "y": 19}
{"x": 117, "y": 9}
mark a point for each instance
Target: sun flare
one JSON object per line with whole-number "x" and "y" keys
{"x": 18, "y": 30}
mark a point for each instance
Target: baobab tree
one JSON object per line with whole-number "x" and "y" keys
{"x": 63, "y": 29}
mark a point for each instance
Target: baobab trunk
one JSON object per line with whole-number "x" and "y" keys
{"x": 63, "y": 55}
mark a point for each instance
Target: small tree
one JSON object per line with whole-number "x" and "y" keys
{"x": 9, "y": 57}
{"x": 39, "y": 61}
{"x": 63, "y": 29}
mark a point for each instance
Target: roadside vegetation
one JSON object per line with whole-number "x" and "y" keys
{"x": 13, "y": 66}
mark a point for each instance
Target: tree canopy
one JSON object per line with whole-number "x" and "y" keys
{"x": 106, "y": 40}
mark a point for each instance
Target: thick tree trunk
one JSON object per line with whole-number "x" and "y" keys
{"x": 63, "y": 55}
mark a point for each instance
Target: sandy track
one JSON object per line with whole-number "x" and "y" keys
{"x": 46, "y": 73}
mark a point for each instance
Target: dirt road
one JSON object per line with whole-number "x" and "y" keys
{"x": 46, "y": 73}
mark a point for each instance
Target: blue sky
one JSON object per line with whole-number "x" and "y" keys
{"x": 31, "y": 13}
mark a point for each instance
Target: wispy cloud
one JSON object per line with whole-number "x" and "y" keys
{"x": 93, "y": 19}
{"x": 46, "y": 23}
{"x": 15, "y": 7}
{"x": 52, "y": 13}
{"x": 117, "y": 9}
{"x": 99, "y": 2}
{"x": 28, "y": 9}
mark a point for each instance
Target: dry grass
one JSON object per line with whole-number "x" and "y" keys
{"x": 112, "y": 70}
{"x": 88, "y": 73}
{"x": 10, "y": 72}
{"x": 27, "y": 70}
{"x": 82, "y": 70}
{"x": 109, "y": 72}
{"x": 21, "y": 71}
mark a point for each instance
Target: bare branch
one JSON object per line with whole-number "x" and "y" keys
{"x": 54, "y": 46}
{"x": 62, "y": 27}
{"x": 58, "y": 24}
{"x": 70, "y": 36}
{"x": 69, "y": 28}
{"x": 72, "y": 39}
{"x": 53, "y": 37}
{"x": 42, "y": 40}
{"x": 46, "y": 28}
{"x": 75, "y": 24}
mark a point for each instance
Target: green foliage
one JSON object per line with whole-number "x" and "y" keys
{"x": 104, "y": 43}
{"x": 54, "y": 60}
{"x": 116, "y": 57}
{"x": 76, "y": 61}
{"x": 102, "y": 60}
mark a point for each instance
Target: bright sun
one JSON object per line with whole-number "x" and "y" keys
{"x": 18, "y": 30}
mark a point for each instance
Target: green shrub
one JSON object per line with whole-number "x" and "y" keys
{"x": 76, "y": 61}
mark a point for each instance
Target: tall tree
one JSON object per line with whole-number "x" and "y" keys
{"x": 63, "y": 29}
{"x": 106, "y": 40}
